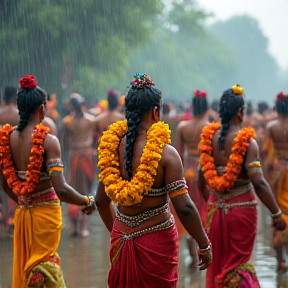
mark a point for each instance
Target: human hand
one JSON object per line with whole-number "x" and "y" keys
{"x": 205, "y": 257}
{"x": 91, "y": 207}
{"x": 279, "y": 223}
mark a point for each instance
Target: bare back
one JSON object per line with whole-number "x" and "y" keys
{"x": 164, "y": 175}
{"x": 220, "y": 158}
{"x": 20, "y": 145}
{"x": 9, "y": 114}
{"x": 189, "y": 135}
{"x": 278, "y": 131}
{"x": 80, "y": 130}
{"x": 107, "y": 118}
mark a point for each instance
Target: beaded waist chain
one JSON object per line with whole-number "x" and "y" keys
{"x": 46, "y": 197}
{"x": 162, "y": 226}
{"x": 227, "y": 206}
{"x": 234, "y": 192}
{"x": 134, "y": 221}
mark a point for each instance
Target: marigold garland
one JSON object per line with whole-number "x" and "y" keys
{"x": 121, "y": 191}
{"x": 234, "y": 165}
{"x": 19, "y": 186}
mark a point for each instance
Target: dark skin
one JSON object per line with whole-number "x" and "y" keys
{"x": 261, "y": 186}
{"x": 20, "y": 145}
{"x": 170, "y": 169}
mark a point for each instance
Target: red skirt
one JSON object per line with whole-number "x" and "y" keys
{"x": 148, "y": 259}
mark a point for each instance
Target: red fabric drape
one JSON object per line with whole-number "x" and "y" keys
{"x": 232, "y": 235}
{"x": 150, "y": 260}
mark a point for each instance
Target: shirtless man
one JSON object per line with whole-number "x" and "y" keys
{"x": 111, "y": 115}
{"x": 172, "y": 121}
{"x": 77, "y": 139}
{"x": 187, "y": 139}
{"x": 9, "y": 114}
{"x": 276, "y": 152}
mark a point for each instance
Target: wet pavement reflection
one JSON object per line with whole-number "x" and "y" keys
{"x": 85, "y": 261}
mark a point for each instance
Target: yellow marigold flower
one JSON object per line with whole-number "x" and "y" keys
{"x": 131, "y": 192}
{"x": 237, "y": 89}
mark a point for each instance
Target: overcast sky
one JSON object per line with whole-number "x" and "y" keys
{"x": 272, "y": 16}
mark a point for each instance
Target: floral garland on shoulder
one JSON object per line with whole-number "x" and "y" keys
{"x": 121, "y": 191}
{"x": 234, "y": 164}
{"x": 19, "y": 186}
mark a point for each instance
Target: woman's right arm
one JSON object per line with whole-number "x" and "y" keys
{"x": 64, "y": 191}
{"x": 184, "y": 206}
{"x": 6, "y": 188}
{"x": 261, "y": 186}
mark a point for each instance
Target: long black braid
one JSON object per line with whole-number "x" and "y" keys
{"x": 282, "y": 103}
{"x": 138, "y": 102}
{"x": 230, "y": 103}
{"x": 28, "y": 101}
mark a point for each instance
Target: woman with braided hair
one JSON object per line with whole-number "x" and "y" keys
{"x": 275, "y": 152}
{"x": 139, "y": 171}
{"x": 229, "y": 163}
{"x": 32, "y": 175}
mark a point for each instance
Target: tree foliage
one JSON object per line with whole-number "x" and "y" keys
{"x": 70, "y": 41}
{"x": 256, "y": 70}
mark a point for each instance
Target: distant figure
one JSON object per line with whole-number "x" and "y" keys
{"x": 256, "y": 120}
{"x": 172, "y": 121}
{"x": 111, "y": 115}
{"x": 276, "y": 154}
{"x": 9, "y": 113}
{"x": 187, "y": 140}
{"x": 78, "y": 128}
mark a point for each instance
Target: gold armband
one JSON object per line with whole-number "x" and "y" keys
{"x": 55, "y": 167}
{"x": 255, "y": 165}
{"x": 179, "y": 192}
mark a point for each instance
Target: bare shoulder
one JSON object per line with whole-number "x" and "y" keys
{"x": 272, "y": 124}
{"x": 182, "y": 124}
{"x": 170, "y": 155}
{"x": 51, "y": 141}
{"x": 252, "y": 150}
{"x": 89, "y": 117}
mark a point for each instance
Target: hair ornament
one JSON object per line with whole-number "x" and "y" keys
{"x": 237, "y": 89}
{"x": 112, "y": 92}
{"x": 28, "y": 82}
{"x": 141, "y": 80}
{"x": 198, "y": 93}
{"x": 281, "y": 95}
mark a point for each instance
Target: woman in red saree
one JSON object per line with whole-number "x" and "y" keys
{"x": 140, "y": 171}
{"x": 229, "y": 163}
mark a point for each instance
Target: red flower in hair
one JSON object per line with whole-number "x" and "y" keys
{"x": 199, "y": 93}
{"x": 281, "y": 95}
{"x": 28, "y": 82}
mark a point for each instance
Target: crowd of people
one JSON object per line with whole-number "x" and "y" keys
{"x": 161, "y": 174}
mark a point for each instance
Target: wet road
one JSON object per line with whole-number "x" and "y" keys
{"x": 85, "y": 260}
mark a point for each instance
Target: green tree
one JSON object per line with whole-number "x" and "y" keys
{"x": 83, "y": 44}
{"x": 256, "y": 70}
{"x": 184, "y": 55}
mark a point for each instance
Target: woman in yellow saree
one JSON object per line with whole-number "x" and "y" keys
{"x": 32, "y": 175}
